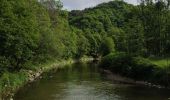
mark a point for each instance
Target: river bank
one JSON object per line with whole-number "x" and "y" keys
{"x": 10, "y": 83}
{"x": 138, "y": 69}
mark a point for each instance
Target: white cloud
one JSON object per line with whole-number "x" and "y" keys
{"x": 81, "y": 4}
{"x": 132, "y": 1}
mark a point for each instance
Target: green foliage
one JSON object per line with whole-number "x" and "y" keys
{"x": 141, "y": 30}
{"x": 82, "y": 43}
{"x": 108, "y": 59}
{"x": 12, "y": 81}
{"x": 161, "y": 62}
{"x": 102, "y": 21}
{"x": 142, "y": 69}
{"x": 154, "y": 16}
{"x": 137, "y": 68}
{"x": 107, "y": 46}
{"x": 34, "y": 32}
{"x": 19, "y": 36}
{"x": 4, "y": 63}
{"x": 134, "y": 67}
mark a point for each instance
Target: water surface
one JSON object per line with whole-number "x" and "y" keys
{"x": 86, "y": 82}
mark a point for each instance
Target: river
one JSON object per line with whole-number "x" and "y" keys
{"x": 86, "y": 81}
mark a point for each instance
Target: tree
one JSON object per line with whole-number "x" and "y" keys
{"x": 18, "y": 32}
{"x": 154, "y": 15}
{"x": 81, "y": 43}
{"x": 133, "y": 27}
{"x": 107, "y": 46}
{"x": 53, "y": 7}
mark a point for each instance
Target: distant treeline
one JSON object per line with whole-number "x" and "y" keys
{"x": 34, "y": 31}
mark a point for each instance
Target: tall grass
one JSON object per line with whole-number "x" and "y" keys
{"x": 161, "y": 62}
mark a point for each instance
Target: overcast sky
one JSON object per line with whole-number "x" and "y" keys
{"x": 81, "y": 4}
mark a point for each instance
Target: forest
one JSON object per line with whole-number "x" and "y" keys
{"x": 34, "y": 32}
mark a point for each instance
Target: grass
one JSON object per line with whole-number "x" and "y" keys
{"x": 12, "y": 81}
{"x": 161, "y": 62}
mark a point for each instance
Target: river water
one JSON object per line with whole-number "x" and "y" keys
{"x": 85, "y": 81}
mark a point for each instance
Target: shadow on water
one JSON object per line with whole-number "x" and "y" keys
{"x": 85, "y": 81}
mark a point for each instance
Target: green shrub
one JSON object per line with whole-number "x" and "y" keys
{"x": 117, "y": 62}
{"x": 142, "y": 69}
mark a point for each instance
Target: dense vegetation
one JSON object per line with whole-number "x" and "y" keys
{"x": 33, "y": 32}
{"x": 141, "y": 30}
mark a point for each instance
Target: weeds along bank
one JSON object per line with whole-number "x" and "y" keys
{"x": 137, "y": 68}
{"x": 12, "y": 81}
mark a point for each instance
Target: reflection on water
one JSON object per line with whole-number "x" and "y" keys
{"x": 86, "y": 82}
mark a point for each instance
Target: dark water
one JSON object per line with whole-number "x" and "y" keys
{"x": 86, "y": 82}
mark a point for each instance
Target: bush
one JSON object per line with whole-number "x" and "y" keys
{"x": 117, "y": 62}
{"x": 142, "y": 69}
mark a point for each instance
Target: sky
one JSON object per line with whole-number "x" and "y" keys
{"x": 81, "y": 4}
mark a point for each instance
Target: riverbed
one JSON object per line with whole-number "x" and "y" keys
{"x": 86, "y": 81}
